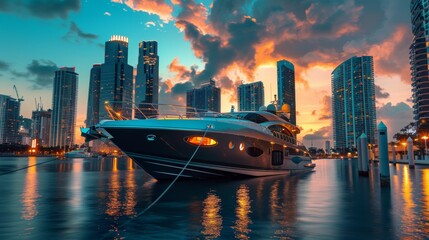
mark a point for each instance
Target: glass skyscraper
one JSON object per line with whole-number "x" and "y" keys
{"x": 9, "y": 119}
{"x": 353, "y": 101}
{"x": 250, "y": 96}
{"x": 93, "y": 110}
{"x": 206, "y": 97}
{"x": 116, "y": 79}
{"x": 286, "y": 87}
{"x": 147, "y": 79}
{"x": 64, "y": 103}
{"x": 41, "y": 126}
{"x": 419, "y": 61}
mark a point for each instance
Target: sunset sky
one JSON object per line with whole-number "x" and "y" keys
{"x": 229, "y": 40}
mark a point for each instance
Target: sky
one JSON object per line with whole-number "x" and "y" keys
{"x": 230, "y": 41}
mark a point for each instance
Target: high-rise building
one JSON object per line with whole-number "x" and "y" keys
{"x": 116, "y": 81}
{"x": 64, "y": 101}
{"x": 93, "y": 110}
{"x": 41, "y": 126}
{"x": 206, "y": 97}
{"x": 286, "y": 87}
{"x": 9, "y": 119}
{"x": 24, "y": 130}
{"x": 419, "y": 61}
{"x": 353, "y": 101}
{"x": 250, "y": 96}
{"x": 147, "y": 79}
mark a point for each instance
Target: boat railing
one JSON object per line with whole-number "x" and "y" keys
{"x": 122, "y": 110}
{"x": 287, "y": 138}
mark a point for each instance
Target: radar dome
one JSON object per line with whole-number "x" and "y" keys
{"x": 271, "y": 108}
{"x": 286, "y": 108}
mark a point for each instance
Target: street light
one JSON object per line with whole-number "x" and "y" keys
{"x": 426, "y": 148}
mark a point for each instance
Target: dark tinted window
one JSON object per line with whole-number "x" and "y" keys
{"x": 254, "y": 117}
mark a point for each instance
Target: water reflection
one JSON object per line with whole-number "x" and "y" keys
{"x": 425, "y": 187}
{"x": 98, "y": 195}
{"x": 242, "y": 212}
{"x": 408, "y": 215}
{"x": 211, "y": 218}
{"x": 30, "y": 192}
{"x": 122, "y": 195}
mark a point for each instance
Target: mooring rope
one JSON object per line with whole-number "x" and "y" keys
{"x": 19, "y": 169}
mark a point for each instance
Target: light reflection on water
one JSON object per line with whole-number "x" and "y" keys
{"x": 211, "y": 218}
{"x": 30, "y": 193}
{"x": 89, "y": 198}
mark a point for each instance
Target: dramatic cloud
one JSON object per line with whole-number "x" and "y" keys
{"x": 326, "y": 110}
{"x": 157, "y": 7}
{"x": 379, "y": 92}
{"x": 323, "y": 133}
{"x": 76, "y": 34}
{"x": 234, "y": 38}
{"x": 41, "y": 9}
{"x": 395, "y": 116}
{"x": 4, "y": 66}
{"x": 43, "y": 71}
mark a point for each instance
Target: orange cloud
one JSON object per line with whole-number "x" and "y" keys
{"x": 157, "y": 7}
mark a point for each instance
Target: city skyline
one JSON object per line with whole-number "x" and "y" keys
{"x": 231, "y": 41}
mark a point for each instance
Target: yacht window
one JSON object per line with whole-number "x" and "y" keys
{"x": 280, "y": 129}
{"x": 256, "y": 118}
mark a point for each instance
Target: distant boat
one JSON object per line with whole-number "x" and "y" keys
{"x": 236, "y": 144}
{"x": 78, "y": 153}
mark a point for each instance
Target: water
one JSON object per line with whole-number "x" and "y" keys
{"x": 99, "y": 198}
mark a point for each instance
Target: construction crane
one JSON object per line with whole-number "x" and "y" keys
{"x": 36, "y": 105}
{"x": 17, "y": 95}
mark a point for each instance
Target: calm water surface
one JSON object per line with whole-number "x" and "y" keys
{"x": 100, "y": 199}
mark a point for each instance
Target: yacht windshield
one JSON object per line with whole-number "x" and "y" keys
{"x": 253, "y": 117}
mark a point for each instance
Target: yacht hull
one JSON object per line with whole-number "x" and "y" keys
{"x": 163, "y": 153}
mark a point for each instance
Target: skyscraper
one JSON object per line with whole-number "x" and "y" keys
{"x": 93, "y": 110}
{"x": 147, "y": 79}
{"x": 41, "y": 126}
{"x": 286, "y": 87}
{"x": 206, "y": 97}
{"x": 353, "y": 101}
{"x": 64, "y": 101}
{"x": 116, "y": 81}
{"x": 9, "y": 119}
{"x": 419, "y": 61}
{"x": 250, "y": 96}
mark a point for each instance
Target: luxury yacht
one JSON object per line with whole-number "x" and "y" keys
{"x": 230, "y": 145}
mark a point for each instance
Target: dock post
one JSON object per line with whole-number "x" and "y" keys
{"x": 359, "y": 149}
{"x": 393, "y": 154}
{"x": 383, "y": 155}
{"x": 410, "y": 152}
{"x": 364, "y": 151}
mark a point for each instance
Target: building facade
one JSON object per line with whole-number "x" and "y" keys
{"x": 64, "y": 103}
{"x": 41, "y": 126}
{"x": 147, "y": 79}
{"x": 353, "y": 102}
{"x": 419, "y": 61}
{"x": 9, "y": 120}
{"x": 250, "y": 96}
{"x": 93, "y": 110}
{"x": 116, "y": 79}
{"x": 286, "y": 87}
{"x": 206, "y": 97}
